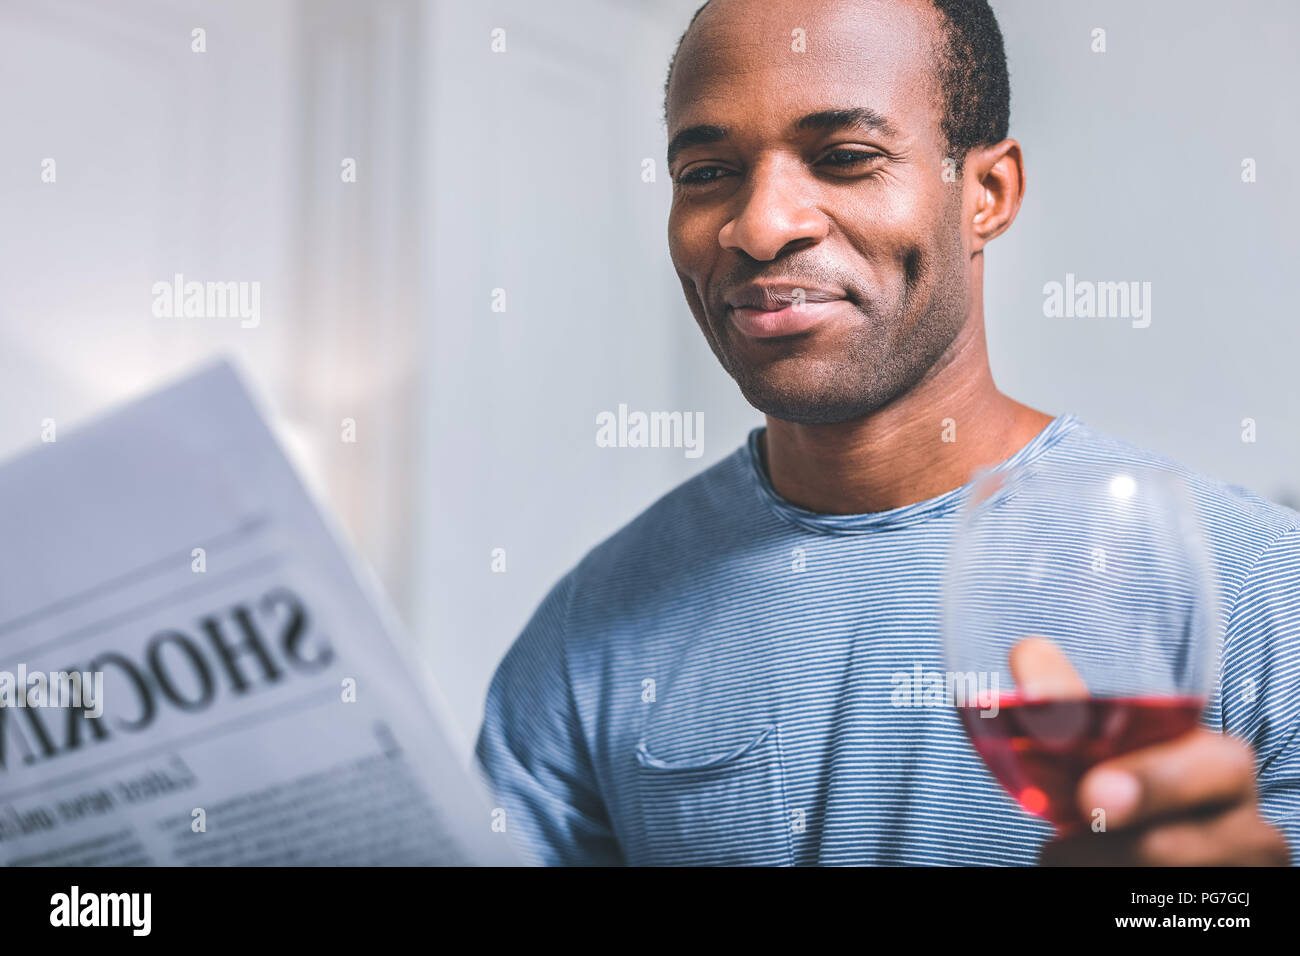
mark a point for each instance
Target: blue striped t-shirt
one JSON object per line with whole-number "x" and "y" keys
{"x": 712, "y": 684}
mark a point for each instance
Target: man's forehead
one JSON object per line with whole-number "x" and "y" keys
{"x": 780, "y": 52}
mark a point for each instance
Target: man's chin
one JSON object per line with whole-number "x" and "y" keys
{"x": 805, "y": 406}
{"x": 822, "y": 378}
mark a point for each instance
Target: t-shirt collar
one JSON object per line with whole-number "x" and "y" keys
{"x": 894, "y": 517}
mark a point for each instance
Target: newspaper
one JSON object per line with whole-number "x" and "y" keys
{"x": 192, "y": 671}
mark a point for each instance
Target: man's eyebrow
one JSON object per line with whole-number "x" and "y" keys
{"x": 856, "y": 117}
{"x": 700, "y": 135}
{"x": 826, "y": 121}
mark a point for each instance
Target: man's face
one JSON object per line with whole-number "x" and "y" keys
{"x": 859, "y": 217}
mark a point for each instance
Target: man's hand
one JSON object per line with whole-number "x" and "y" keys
{"x": 1187, "y": 802}
{"x": 1190, "y": 801}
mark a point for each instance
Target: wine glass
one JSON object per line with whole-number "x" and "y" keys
{"x": 1078, "y": 623}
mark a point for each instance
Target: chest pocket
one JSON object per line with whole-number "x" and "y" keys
{"x": 716, "y": 810}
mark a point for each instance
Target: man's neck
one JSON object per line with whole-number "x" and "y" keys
{"x": 929, "y": 441}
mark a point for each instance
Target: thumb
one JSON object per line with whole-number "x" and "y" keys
{"x": 1043, "y": 672}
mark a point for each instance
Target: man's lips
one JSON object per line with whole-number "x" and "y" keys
{"x": 765, "y": 310}
{"x": 789, "y": 320}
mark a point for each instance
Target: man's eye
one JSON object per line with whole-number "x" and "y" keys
{"x": 849, "y": 157}
{"x": 700, "y": 175}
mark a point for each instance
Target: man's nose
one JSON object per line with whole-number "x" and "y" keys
{"x": 778, "y": 210}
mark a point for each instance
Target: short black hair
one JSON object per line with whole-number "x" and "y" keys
{"x": 972, "y": 72}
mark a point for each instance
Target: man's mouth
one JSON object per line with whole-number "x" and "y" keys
{"x": 765, "y": 310}
{"x": 794, "y": 319}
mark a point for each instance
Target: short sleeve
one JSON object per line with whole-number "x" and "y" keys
{"x": 532, "y": 752}
{"x": 1261, "y": 679}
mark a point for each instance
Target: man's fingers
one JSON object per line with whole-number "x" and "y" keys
{"x": 1236, "y": 837}
{"x": 1043, "y": 672}
{"x": 1185, "y": 802}
{"x": 1200, "y": 769}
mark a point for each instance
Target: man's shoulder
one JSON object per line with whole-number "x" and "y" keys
{"x": 1239, "y": 524}
{"x": 604, "y": 600}
{"x": 698, "y": 515}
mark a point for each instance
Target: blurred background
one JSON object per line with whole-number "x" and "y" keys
{"x": 524, "y": 170}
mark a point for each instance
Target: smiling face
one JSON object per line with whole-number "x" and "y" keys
{"x": 817, "y": 241}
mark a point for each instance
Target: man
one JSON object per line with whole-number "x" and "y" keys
{"x": 689, "y": 693}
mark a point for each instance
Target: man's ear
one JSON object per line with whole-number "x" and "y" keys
{"x": 994, "y": 184}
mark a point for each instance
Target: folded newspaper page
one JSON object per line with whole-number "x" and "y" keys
{"x": 192, "y": 671}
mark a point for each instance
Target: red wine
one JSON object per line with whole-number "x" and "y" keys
{"x": 1040, "y": 751}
